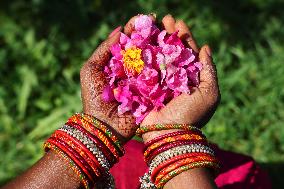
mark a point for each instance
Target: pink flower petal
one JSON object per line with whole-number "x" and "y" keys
{"x": 107, "y": 94}
{"x": 143, "y": 22}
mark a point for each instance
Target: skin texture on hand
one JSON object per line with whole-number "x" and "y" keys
{"x": 198, "y": 107}
{"x": 93, "y": 81}
{"x": 195, "y": 109}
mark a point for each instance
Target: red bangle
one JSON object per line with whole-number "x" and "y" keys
{"x": 74, "y": 156}
{"x": 81, "y": 149}
{"x": 172, "y": 160}
{"x": 184, "y": 168}
{"x": 103, "y": 127}
{"x": 168, "y": 146}
{"x": 149, "y": 143}
{"x": 98, "y": 133}
{"x": 180, "y": 163}
{"x": 109, "y": 155}
{"x": 170, "y": 140}
{"x": 85, "y": 182}
{"x": 158, "y": 127}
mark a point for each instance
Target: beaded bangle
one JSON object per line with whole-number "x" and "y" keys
{"x": 96, "y": 132}
{"x": 100, "y": 125}
{"x": 47, "y": 146}
{"x": 108, "y": 154}
{"x": 175, "y": 159}
{"x": 176, "y": 151}
{"x": 149, "y": 143}
{"x": 74, "y": 156}
{"x": 185, "y": 137}
{"x": 81, "y": 149}
{"x": 181, "y": 163}
{"x": 149, "y": 158}
{"x": 92, "y": 144}
{"x": 158, "y": 127}
{"x": 184, "y": 168}
{"x": 88, "y": 143}
{"x": 169, "y": 154}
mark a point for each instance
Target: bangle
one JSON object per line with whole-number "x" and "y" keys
{"x": 173, "y": 160}
{"x": 184, "y": 168}
{"x": 168, "y": 140}
{"x": 149, "y": 143}
{"x": 181, "y": 163}
{"x": 81, "y": 149}
{"x": 74, "y": 156}
{"x": 89, "y": 144}
{"x": 169, "y": 154}
{"x": 102, "y": 126}
{"x": 176, "y": 151}
{"x": 158, "y": 127}
{"x": 84, "y": 135}
{"x": 48, "y": 146}
{"x": 96, "y": 132}
{"x": 199, "y": 143}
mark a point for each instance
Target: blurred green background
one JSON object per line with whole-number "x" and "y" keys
{"x": 43, "y": 44}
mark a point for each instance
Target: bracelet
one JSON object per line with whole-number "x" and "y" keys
{"x": 173, "y": 160}
{"x": 181, "y": 163}
{"x": 158, "y": 127}
{"x": 88, "y": 143}
{"x": 100, "y": 125}
{"x": 96, "y": 132}
{"x": 184, "y": 168}
{"x": 83, "y": 134}
{"x": 167, "y": 140}
{"x": 149, "y": 143}
{"x": 74, "y": 156}
{"x": 81, "y": 149}
{"x": 145, "y": 180}
{"x": 48, "y": 146}
{"x": 176, "y": 151}
{"x": 175, "y": 144}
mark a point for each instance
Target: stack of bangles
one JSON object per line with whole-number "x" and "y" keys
{"x": 171, "y": 154}
{"x": 91, "y": 149}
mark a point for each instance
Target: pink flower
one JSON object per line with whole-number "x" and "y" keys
{"x": 177, "y": 79}
{"x": 148, "y": 69}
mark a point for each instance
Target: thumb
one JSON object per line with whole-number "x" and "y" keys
{"x": 208, "y": 75}
{"x": 102, "y": 54}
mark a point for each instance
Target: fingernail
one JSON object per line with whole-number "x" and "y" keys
{"x": 153, "y": 14}
{"x": 115, "y": 31}
{"x": 208, "y": 51}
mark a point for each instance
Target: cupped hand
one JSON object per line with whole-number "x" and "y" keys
{"x": 93, "y": 82}
{"x": 199, "y": 106}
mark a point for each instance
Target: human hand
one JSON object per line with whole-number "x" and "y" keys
{"x": 93, "y": 81}
{"x": 198, "y": 107}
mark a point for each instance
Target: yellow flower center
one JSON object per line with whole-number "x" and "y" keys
{"x": 132, "y": 60}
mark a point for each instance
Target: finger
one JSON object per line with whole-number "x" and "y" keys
{"x": 102, "y": 54}
{"x": 168, "y": 23}
{"x": 185, "y": 34}
{"x": 130, "y": 25}
{"x": 208, "y": 74}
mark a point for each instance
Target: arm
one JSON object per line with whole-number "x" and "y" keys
{"x": 52, "y": 171}
{"x": 195, "y": 109}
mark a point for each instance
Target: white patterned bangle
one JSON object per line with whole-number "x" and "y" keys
{"x": 88, "y": 143}
{"x": 179, "y": 150}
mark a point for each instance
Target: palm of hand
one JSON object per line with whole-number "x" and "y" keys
{"x": 93, "y": 81}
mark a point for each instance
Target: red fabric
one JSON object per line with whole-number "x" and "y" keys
{"x": 237, "y": 172}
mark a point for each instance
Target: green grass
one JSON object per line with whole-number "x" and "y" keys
{"x": 43, "y": 44}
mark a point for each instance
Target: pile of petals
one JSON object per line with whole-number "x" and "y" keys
{"x": 148, "y": 69}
